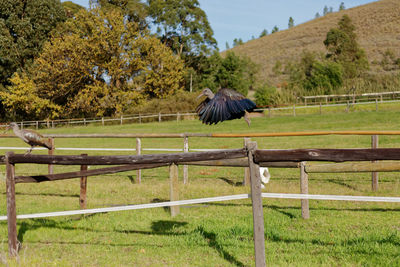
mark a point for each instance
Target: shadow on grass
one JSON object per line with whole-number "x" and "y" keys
{"x": 162, "y": 227}
{"x": 311, "y": 208}
{"x": 392, "y": 239}
{"x": 212, "y": 242}
{"x": 230, "y": 182}
{"x": 339, "y": 182}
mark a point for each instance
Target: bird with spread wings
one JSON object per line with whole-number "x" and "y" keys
{"x": 226, "y": 104}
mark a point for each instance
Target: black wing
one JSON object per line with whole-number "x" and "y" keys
{"x": 227, "y": 104}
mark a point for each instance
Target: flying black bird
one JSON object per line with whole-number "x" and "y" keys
{"x": 226, "y": 104}
{"x": 32, "y": 138}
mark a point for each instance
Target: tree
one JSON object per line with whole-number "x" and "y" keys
{"x": 291, "y": 22}
{"x": 133, "y": 10}
{"x": 71, "y": 8}
{"x": 24, "y": 27}
{"x": 314, "y": 76}
{"x": 237, "y": 42}
{"x": 343, "y": 48}
{"x": 230, "y": 71}
{"x": 100, "y": 64}
{"x": 264, "y": 33}
{"x": 317, "y": 15}
{"x": 182, "y": 26}
{"x": 275, "y": 29}
{"x": 341, "y": 7}
{"x": 326, "y": 10}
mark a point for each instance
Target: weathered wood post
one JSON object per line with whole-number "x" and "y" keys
{"x": 348, "y": 107}
{"x": 375, "y": 178}
{"x": 37, "y": 125}
{"x": 82, "y": 195}
{"x": 11, "y": 207}
{"x": 246, "y": 178}
{"x": 174, "y": 190}
{"x": 376, "y": 104}
{"x": 294, "y": 110}
{"x": 122, "y": 117}
{"x": 320, "y": 108}
{"x": 138, "y": 152}
{"x": 140, "y": 118}
{"x": 305, "y": 210}
{"x": 185, "y": 167}
{"x": 256, "y": 200}
{"x": 51, "y": 152}
{"x": 269, "y": 112}
{"x": 159, "y": 116}
{"x": 102, "y": 121}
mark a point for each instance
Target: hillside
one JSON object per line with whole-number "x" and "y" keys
{"x": 377, "y": 27}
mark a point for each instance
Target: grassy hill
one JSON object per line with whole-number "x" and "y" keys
{"x": 377, "y": 28}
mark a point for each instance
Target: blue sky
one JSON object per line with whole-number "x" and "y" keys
{"x": 244, "y": 19}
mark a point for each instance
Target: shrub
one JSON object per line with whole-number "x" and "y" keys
{"x": 266, "y": 95}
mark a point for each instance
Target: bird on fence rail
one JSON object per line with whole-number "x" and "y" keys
{"x": 226, "y": 104}
{"x": 32, "y": 138}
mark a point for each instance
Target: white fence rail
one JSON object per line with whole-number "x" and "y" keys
{"x": 204, "y": 200}
{"x": 138, "y": 118}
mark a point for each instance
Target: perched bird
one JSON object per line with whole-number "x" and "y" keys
{"x": 32, "y": 138}
{"x": 226, "y": 104}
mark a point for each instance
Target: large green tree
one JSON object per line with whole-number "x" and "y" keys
{"x": 182, "y": 25}
{"x": 133, "y": 10}
{"x": 24, "y": 27}
{"x": 343, "y": 48}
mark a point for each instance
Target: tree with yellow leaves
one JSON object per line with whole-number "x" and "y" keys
{"x": 98, "y": 64}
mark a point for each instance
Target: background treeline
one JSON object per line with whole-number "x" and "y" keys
{"x": 61, "y": 60}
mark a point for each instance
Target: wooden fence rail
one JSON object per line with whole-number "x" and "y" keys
{"x": 255, "y": 158}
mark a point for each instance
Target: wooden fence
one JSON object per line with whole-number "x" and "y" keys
{"x": 322, "y": 101}
{"x": 233, "y": 157}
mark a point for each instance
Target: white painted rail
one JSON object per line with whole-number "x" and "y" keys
{"x": 205, "y": 200}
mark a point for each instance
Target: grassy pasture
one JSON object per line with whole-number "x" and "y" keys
{"x": 213, "y": 234}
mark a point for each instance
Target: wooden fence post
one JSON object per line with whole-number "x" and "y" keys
{"x": 375, "y": 178}
{"x": 37, "y": 125}
{"x": 185, "y": 167}
{"x": 51, "y": 152}
{"x": 122, "y": 117}
{"x": 82, "y": 195}
{"x": 305, "y": 210}
{"x": 294, "y": 110}
{"x": 256, "y": 200}
{"x": 246, "y": 178}
{"x": 140, "y": 118}
{"x": 11, "y": 207}
{"x": 376, "y": 104}
{"x": 174, "y": 190}
{"x": 138, "y": 152}
{"x": 320, "y": 108}
{"x": 269, "y": 112}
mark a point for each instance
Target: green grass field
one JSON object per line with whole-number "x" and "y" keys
{"x": 212, "y": 234}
